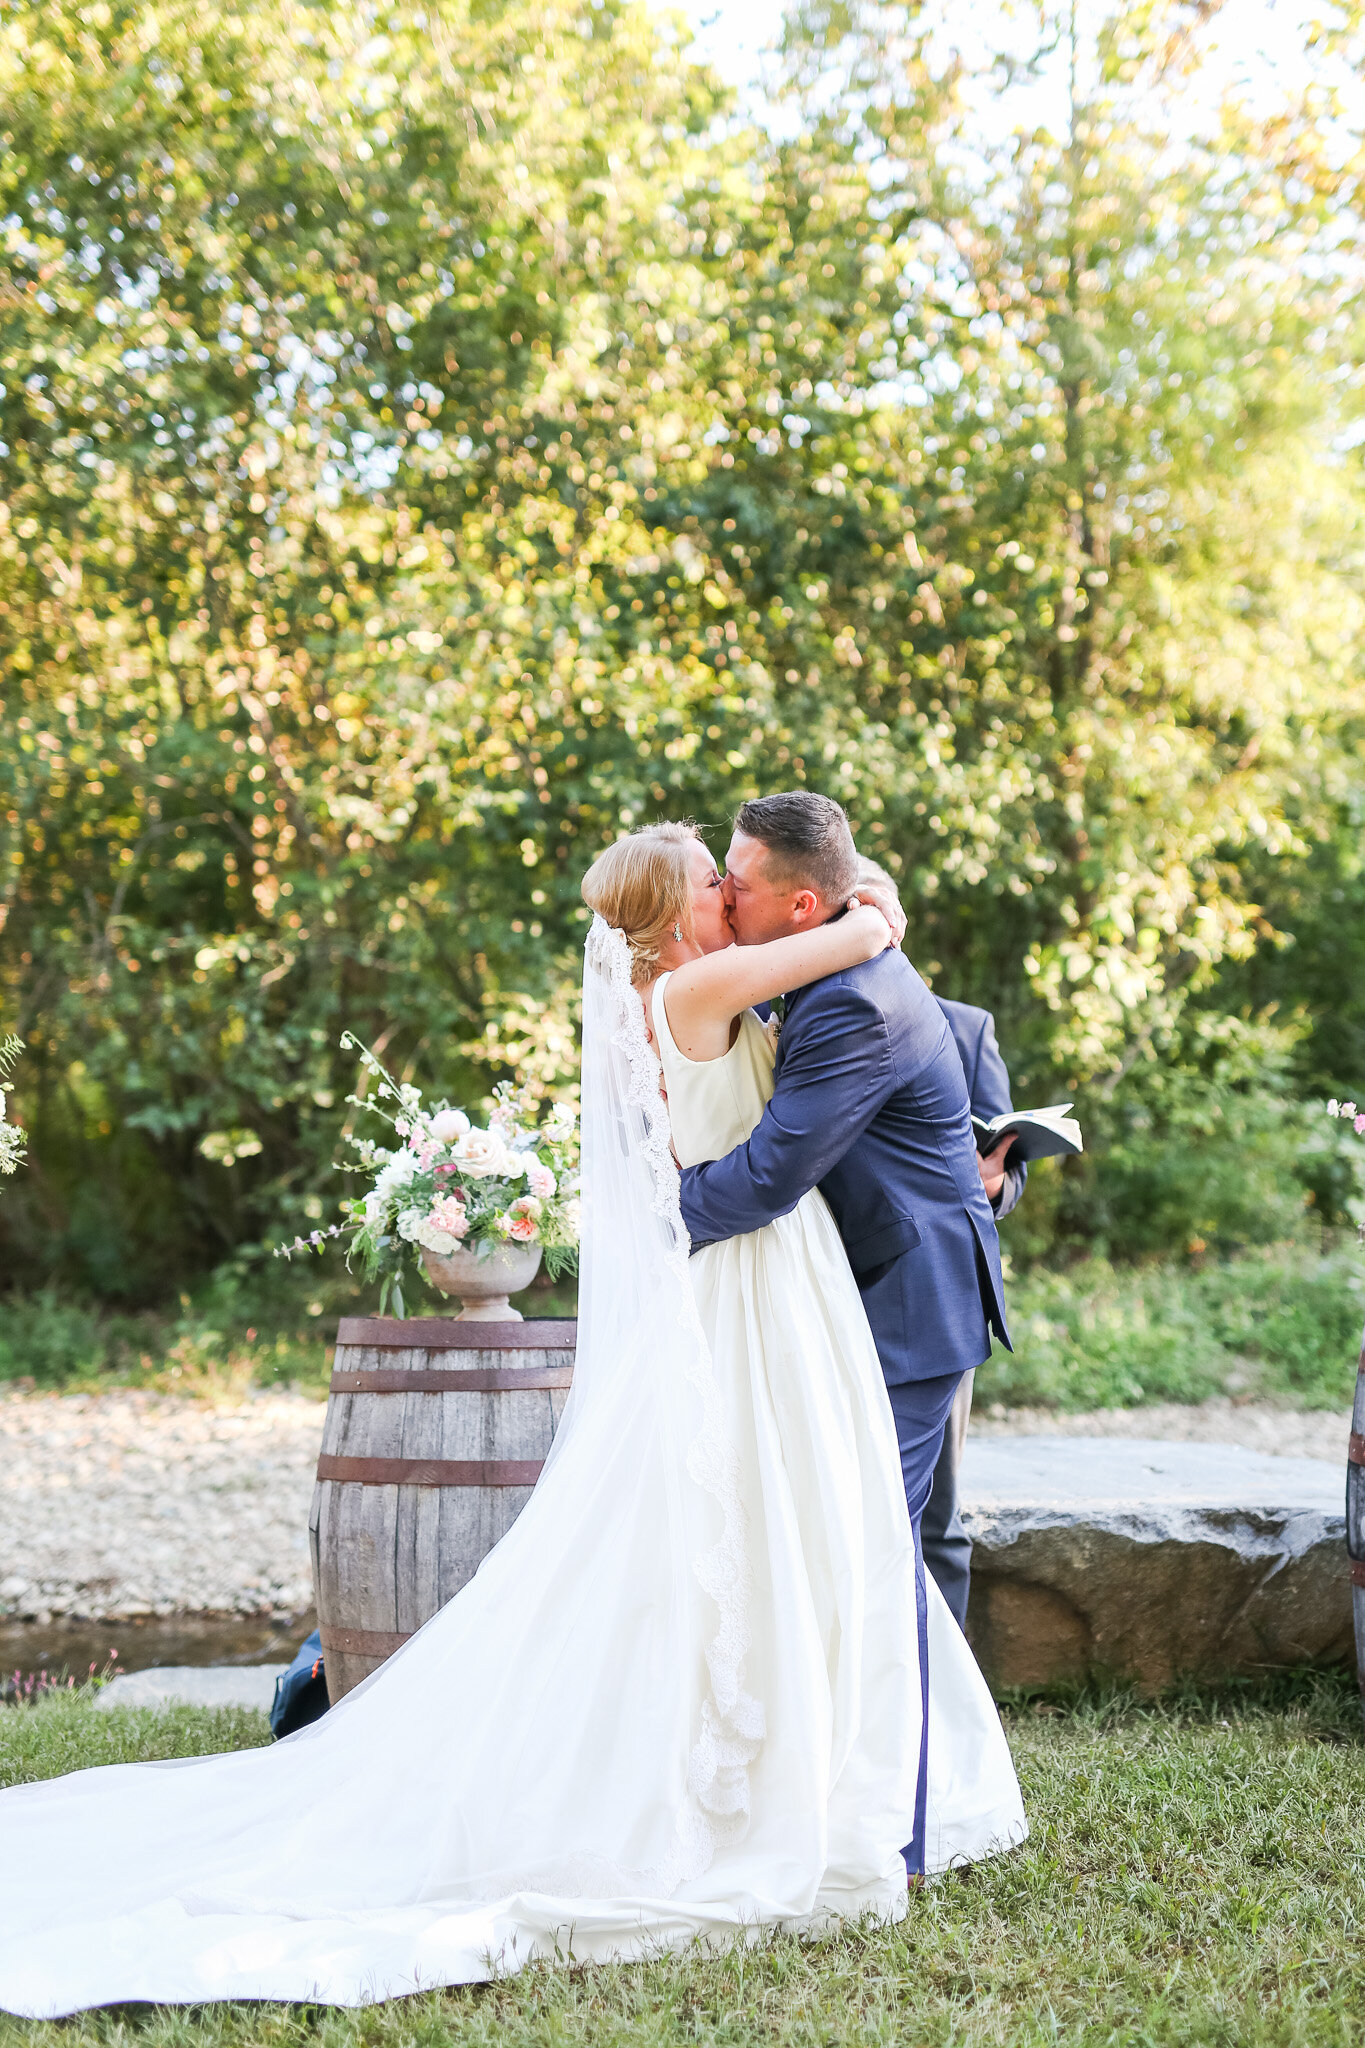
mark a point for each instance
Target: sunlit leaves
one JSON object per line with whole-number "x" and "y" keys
{"x": 435, "y": 444}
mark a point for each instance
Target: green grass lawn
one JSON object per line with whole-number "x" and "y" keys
{"x": 1282, "y": 1323}
{"x": 1196, "y": 1875}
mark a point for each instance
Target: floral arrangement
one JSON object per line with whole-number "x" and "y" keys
{"x": 1353, "y": 1116}
{"x": 449, "y": 1185}
{"x": 11, "y": 1136}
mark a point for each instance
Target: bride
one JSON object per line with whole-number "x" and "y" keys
{"x": 680, "y": 1700}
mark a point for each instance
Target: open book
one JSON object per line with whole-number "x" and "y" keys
{"x": 1038, "y": 1133}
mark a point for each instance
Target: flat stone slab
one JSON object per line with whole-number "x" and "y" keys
{"x": 1152, "y": 1561}
{"x": 194, "y": 1685}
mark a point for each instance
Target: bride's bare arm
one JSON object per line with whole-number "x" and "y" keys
{"x": 704, "y": 996}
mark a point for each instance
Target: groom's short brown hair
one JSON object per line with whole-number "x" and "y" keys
{"x": 808, "y": 839}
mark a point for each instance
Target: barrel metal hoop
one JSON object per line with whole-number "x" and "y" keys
{"x": 363, "y": 1642}
{"x": 502, "y": 1379}
{"x": 431, "y": 1471}
{"x": 1356, "y": 1451}
{"x": 451, "y": 1333}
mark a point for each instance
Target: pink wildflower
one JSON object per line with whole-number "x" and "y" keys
{"x": 1359, "y": 1126}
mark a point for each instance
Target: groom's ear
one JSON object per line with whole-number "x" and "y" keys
{"x": 806, "y": 907}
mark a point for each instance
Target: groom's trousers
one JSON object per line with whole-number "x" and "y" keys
{"x": 921, "y": 1409}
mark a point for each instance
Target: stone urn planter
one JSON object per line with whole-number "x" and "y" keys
{"x": 482, "y": 1285}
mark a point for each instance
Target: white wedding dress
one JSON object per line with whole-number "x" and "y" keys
{"x": 678, "y": 1702}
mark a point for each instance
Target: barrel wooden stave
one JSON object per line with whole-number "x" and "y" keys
{"x": 387, "y": 1557}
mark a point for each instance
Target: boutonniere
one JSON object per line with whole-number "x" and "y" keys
{"x": 777, "y": 1012}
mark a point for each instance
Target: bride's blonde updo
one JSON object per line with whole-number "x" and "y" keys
{"x": 642, "y": 886}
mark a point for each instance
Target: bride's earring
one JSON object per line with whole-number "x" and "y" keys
{"x": 677, "y": 932}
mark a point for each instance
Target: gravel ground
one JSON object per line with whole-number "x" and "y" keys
{"x": 131, "y": 1503}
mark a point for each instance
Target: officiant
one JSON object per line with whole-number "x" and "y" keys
{"x": 947, "y": 1546}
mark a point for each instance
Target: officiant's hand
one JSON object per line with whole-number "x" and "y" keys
{"x": 880, "y": 894}
{"x": 991, "y": 1167}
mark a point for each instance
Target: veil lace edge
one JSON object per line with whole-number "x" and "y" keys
{"x": 733, "y": 1720}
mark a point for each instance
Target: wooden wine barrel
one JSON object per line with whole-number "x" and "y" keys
{"x": 435, "y": 1435}
{"x": 1355, "y": 1518}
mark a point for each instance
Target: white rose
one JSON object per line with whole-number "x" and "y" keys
{"x": 447, "y": 1125}
{"x": 482, "y": 1154}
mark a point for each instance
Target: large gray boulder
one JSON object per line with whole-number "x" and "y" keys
{"x": 194, "y": 1685}
{"x": 1152, "y": 1561}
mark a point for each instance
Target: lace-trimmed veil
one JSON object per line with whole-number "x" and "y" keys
{"x": 643, "y": 1362}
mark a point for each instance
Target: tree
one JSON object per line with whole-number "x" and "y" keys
{"x": 435, "y": 443}
{"x": 1131, "y": 356}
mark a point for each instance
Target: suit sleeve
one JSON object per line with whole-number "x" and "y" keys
{"x": 837, "y": 1070}
{"x": 990, "y": 1091}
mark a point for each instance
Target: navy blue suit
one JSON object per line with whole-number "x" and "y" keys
{"x": 947, "y": 1546}
{"x": 870, "y": 1104}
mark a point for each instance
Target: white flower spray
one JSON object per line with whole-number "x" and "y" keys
{"x": 12, "y": 1143}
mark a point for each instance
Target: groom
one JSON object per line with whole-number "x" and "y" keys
{"x": 870, "y": 1105}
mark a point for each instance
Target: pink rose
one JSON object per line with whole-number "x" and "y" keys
{"x": 448, "y": 1214}
{"x": 522, "y": 1219}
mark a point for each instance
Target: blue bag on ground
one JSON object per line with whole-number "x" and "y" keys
{"x": 301, "y": 1691}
